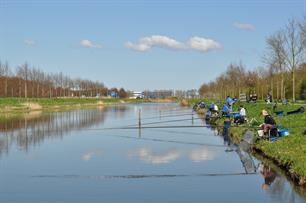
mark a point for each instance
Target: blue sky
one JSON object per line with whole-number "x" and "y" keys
{"x": 137, "y": 44}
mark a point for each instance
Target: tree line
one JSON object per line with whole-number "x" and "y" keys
{"x": 283, "y": 74}
{"x": 29, "y": 81}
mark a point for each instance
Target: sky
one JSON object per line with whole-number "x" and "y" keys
{"x": 141, "y": 44}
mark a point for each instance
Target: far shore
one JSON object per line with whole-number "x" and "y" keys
{"x": 22, "y": 105}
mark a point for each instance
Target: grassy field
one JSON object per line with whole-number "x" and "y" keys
{"x": 288, "y": 152}
{"x": 22, "y": 104}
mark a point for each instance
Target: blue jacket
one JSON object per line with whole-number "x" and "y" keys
{"x": 229, "y": 101}
{"x": 225, "y": 109}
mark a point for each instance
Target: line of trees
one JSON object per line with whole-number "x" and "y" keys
{"x": 284, "y": 74}
{"x": 26, "y": 81}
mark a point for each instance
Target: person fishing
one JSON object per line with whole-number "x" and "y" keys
{"x": 213, "y": 108}
{"x": 229, "y": 102}
{"x": 240, "y": 119}
{"x": 225, "y": 110}
{"x": 269, "y": 122}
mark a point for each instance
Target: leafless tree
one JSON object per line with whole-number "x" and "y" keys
{"x": 23, "y": 72}
{"x": 294, "y": 47}
{"x": 276, "y": 57}
{"x": 5, "y": 72}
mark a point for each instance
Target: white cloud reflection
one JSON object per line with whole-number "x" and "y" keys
{"x": 195, "y": 155}
{"x": 90, "y": 154}
{"x": 148, "y": 156}
{"x": 201, "y": 154}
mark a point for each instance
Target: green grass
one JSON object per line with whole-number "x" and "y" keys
{"x": 16, "y": 104}
{"x": 289, "y": 152}
{"x": 45, "y": 102}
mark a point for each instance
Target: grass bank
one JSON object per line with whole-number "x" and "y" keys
{"x": 16, "y": 105}
{"x": 289, "y": 152}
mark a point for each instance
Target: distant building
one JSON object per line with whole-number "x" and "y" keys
{"x": 158, "y": 94}
{"x": 187, "y": 94}
{"x": 137, "y": 95}
{"x": 192, "y": 94}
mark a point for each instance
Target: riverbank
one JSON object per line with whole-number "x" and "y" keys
{"x": 288, "y": 152}
{"x": 21, "y": 105}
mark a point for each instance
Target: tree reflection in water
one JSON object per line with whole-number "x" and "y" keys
{"x": 32, "y": 129}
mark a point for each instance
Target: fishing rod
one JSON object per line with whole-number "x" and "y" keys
{"x": 140, "y": 176}
{"x": 179, "y": 132}
{"x": 158, "y": 117}
{"x": 165, "y": 126}
{"x": 165, "y": 140}
{"x": 165, "y": 116}
{"x": 168, "y": 121}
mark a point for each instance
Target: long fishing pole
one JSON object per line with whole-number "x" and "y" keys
{"x": 165, "y": 140}
{"x": 179, "y": 132}
{"x": 168, "y": 121}
{"x": 165, "y": 126}
{"x": 139, "y": 176}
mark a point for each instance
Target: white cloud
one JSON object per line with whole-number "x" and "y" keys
{"x": 244, "y": 26}
{"x": 194, "y": 43}
{"x": 29, "y": 42}
{"x": 147, "y": 43}
{"x": 202, "y": 44}
{"x": 88, "y": 44}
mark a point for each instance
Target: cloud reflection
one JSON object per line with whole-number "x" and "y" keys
{"x": 148, "y": 156}
{"x": 201, "y": 154}
{"x": 89, "y": 155}
{"x": 195, "y": 155}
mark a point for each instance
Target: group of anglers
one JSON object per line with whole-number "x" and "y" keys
{"x": 267, "y": 129}
{"x": 213, "y": 111}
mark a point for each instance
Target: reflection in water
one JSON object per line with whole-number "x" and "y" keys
{"x": 183, "y": 148}
{"x": 242, "y": 149}
{"x": 196, "y": 155}
{"x": 88, "y": 155}
{"x": 276, "y": 186}
{"x": 33, "y": 130}
{"x": 202, "y": 154}
{"x": 268, "y": 174}
{"x": 148, "y": 156}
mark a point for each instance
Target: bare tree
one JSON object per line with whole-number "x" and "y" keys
{"x": 302, "y": 25}
{"x": 5, "y": 72}
{"x": 276, "y": 57}
{"x": 23, "y": 72}
{"x": 294, "y": 48}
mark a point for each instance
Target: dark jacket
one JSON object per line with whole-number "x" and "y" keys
{"x": 269, "y": 120}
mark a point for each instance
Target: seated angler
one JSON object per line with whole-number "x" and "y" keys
{"x": 269, "y": 122}
{"x": 229, "y": 102}
{"x": 241, "y": 118}
{"x": 213, "y": 108}
{"x": 201, "y": 105}
{"x": 225, "y": 110}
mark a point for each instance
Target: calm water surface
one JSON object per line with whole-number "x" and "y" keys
{"x": 72, "y": 157}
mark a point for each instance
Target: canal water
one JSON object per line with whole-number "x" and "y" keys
{"x": 96, "y": 155}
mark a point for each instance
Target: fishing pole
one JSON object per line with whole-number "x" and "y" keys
{"x": 168, "y": 121}
{"x": 180, "y": 132}
{"x": 165, "y": 140}
{"x": 135, "y": 176}
{"x": 164, "y": 126}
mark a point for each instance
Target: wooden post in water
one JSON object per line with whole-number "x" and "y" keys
{"x": 192, "y": 119}
{"x": 139, "y": 118}
{"x": 139, "y": 123}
